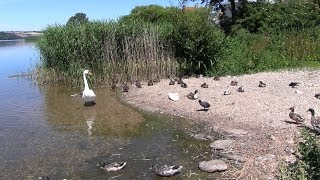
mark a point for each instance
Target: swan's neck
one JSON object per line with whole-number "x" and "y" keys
{"x": 86, "y": 86}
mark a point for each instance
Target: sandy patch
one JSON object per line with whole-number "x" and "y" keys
{"x": 256, "y": 117}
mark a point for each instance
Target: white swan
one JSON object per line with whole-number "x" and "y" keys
{"x": 87, "y": 95}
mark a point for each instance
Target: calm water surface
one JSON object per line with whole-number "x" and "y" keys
{"x": 46, "y": 132}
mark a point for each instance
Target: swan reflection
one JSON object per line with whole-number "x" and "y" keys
{"x": 89, "y": 115}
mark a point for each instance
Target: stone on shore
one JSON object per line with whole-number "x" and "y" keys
{"x": 213, "y": 165}
{"x": 221, "y": 144}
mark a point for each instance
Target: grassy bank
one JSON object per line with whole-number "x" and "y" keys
{"x": 111, "y": 50}
{"x": 307, "y": 165}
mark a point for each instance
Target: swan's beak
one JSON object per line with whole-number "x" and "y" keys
{"x": 89, "y": 73}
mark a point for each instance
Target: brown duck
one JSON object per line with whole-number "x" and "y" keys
{"x": 262, "y": 84}
{"x": 204, "y": 85}
{"x": 157, "y": 80}
{"x": 125, "y": 88}
{"x": 216, "y": 78}
{"x": 150, "y": 83}
{"x": 234, "y": 83}
{"x": 193, "y": 95}
{"x": 138, "y": 84}
{"x": 171, "y": 82}
{"x": 294, "y": 116}
{"x": 315, "y": 121}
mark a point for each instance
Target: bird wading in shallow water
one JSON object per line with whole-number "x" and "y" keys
{"x": 115, "y": 166}
{"x": 166, "y": 170}
{"x": 87, "y": 95}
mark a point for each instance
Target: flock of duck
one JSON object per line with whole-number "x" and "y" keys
{"x": 164, "y": 170}
{"x": 315, "y": 121}
{"x": 169, "y": 170}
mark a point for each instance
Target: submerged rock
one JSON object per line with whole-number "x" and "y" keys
{"x": 213, "y": 165}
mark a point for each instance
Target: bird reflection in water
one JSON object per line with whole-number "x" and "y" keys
{"x": 89, "y": 115}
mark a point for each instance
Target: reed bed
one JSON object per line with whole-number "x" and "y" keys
{"x": 110, "y": 50}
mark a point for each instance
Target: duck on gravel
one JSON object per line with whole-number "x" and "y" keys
{"x": 294, "y": 116}
{"x": 315, "y": 121}
{"x": 193, "y": 95}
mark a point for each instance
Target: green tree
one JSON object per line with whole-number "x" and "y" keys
{"x": 77, "y": 19}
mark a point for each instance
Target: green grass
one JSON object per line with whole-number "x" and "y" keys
{"x": 307, "y": 165}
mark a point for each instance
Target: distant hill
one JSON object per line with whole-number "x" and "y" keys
{"x": 8, "y": 36}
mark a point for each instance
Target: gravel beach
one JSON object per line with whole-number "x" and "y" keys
{"x": 257, "y": 119}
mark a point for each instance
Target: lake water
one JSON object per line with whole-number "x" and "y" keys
{"x": 46, "y": 132}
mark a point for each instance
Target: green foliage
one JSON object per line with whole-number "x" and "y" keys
{"x": 196, "y": 41}
{"x": 308, "y": 164}
{"x": 77, "y": 19}
{"x": 8, "y": 36}
{"x": 259, "y": 17}
{"x": 153, "y": 14}
{"x": 248, "y": 53}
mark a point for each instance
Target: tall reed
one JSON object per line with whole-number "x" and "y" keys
{"x": 125, "y": 51}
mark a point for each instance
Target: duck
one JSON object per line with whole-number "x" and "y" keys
{"x": 317, "y": 95}
{"x": 234, "y": 83}
{"x": 226, "y": 92}
{"x": 180, "y": 81}
{"x": 171, "y": 82}
{"x": 199, "y": 76}
{"x": 294, "y": 84}
{"x": 204, "y": 85}
{"x": 173, "y": 96}
{"x": 262, "y": 84}
{"x": 193, "y": 95}
{"x": 294, "y": 116}
{"x": 150, "y": 83}
{"x": 240, "y": 89}
{"x": 125, "y": 88}
{"x": 157, "y": 80}
{"x": 315, "y": 121}
{"x": 204, "y": 104}
{"x": 138, "y": 84}
{"x": 176, "y": 79}
{"x": 184, "y": 85}
{"x": 115, "y": 166}
{"x": 216, "y": 78}
{"x": 167, "y": 171}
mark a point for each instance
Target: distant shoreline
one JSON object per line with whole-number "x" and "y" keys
{"x": 12, "y": 40}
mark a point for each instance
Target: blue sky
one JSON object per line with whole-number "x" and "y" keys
{"x": 17, "y": 15}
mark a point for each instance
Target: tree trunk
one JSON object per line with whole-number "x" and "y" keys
{"x": 233, "y": 9}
